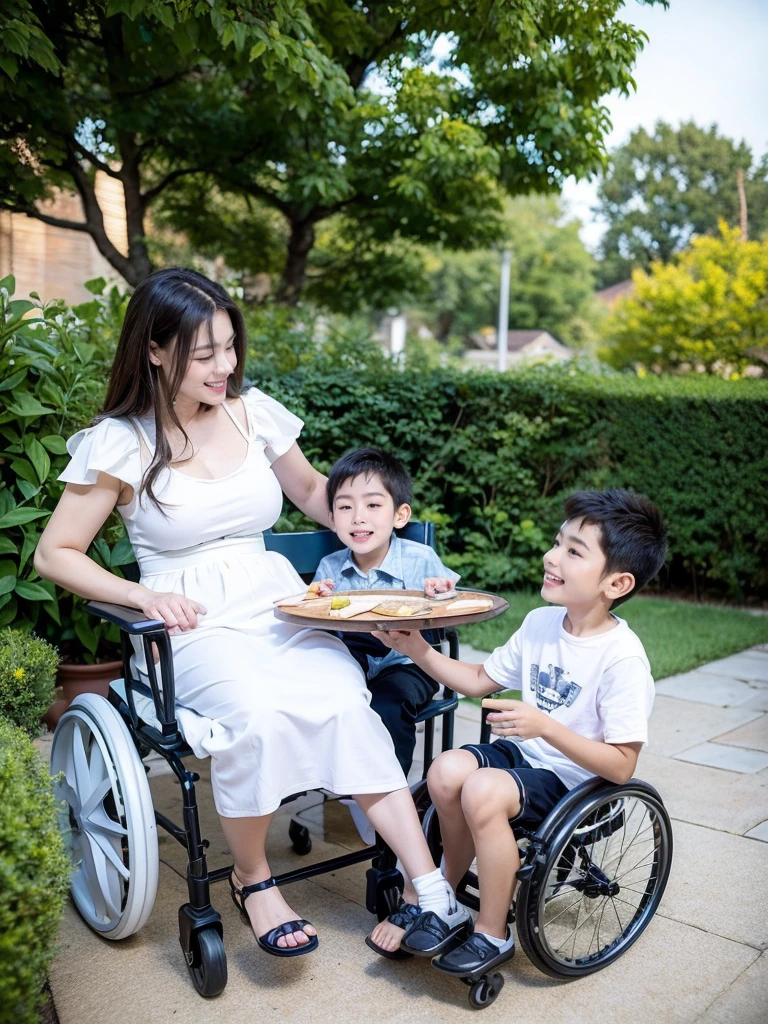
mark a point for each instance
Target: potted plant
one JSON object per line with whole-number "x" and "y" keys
{"x": 54, "y": 363}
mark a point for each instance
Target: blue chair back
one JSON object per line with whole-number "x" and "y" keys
{"x": 305, "y": 548}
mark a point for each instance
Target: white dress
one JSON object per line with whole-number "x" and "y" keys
{"x": 279, "y": 709}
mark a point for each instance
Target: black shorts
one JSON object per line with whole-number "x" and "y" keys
{"x": 540, "y": 789}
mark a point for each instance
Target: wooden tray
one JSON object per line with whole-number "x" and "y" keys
{"x": 317, "y": 612}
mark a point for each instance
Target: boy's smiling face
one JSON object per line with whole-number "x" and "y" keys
{"x": 364, "y": 515}
{"x": 574, "y": 569}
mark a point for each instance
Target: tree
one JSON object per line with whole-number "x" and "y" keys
{"x": 411, "y": 119}
{"x": 552, "y": 276}
{"x": 707, "y": 310}
{"x": 662, "y": 188}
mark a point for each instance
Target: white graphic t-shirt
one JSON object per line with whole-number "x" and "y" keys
{"x": 598, "y": 686}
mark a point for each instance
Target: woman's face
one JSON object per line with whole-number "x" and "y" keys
{"x": 209, "y": 364}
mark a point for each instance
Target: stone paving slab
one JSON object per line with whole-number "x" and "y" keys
{"x": 759, "y": 832}
{"x": 708, "y": 868}
{"x": 732, "y": 759}
{"x": 745, "y": 1001}
{"x": 143, "y": 980}
{"x": 748, "y": 665}
{"x": 753, "y": 735}
{"x": 676, "y": 725}
{"x": 709, "y": 688}
{"x": 707, "y": 796}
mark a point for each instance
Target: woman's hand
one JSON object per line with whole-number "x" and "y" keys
{"x": 408, "y": 642}
{"x": 437, "y": 585}
{"x": 179, "y": 613}
{"x": 515, "y": 718}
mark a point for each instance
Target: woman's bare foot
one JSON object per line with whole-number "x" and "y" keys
{"x": 387, "y": 935}
{"x": 267, "y": 909}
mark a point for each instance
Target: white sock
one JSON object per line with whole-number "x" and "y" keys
{"x": 500, "y": 944}
{"x": 435, "y": 894}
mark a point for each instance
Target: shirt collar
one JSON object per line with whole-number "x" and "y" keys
{"x": 392, "y": 565}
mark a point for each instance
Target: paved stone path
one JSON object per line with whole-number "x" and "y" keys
{"x": 703, "y": 959}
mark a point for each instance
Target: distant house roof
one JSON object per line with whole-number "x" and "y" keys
{"x": 520, "y": 344}
{"x": 615, "y": 291}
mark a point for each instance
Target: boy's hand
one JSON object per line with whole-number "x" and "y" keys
{"x": 515, "y": 718}
{"x": 408, "y": 642}
{"x": 437, "y": 585}
{"x": 324, "y": 587}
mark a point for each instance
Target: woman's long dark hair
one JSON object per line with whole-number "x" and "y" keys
{"x": 169, "y": 305}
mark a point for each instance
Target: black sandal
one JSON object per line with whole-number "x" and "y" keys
{"x": 268, "y": 941}
{"x": 402, "y": 917}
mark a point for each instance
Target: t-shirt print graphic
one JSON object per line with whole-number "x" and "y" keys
{"x": 552, "y": 689}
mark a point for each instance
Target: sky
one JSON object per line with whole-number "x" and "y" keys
{"x": 706, "y": 61}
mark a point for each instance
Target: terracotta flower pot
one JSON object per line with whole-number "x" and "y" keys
{"x": 77, "y": 679}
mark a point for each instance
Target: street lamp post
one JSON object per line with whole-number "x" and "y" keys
{"x": 501, "y": 334}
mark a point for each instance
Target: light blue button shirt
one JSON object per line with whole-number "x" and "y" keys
{"x": 405, "y": 567}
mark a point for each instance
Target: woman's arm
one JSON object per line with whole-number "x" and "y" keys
{"x": 61, "y": 557}
{"x": 302, "y": 484}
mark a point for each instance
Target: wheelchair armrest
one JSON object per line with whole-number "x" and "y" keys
{"x": 130, "y": 620}
{"x": 133, "y": 622}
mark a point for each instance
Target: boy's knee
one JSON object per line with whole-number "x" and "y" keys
{"x": 449, "y": 771}
{"x": 489, "y": 793}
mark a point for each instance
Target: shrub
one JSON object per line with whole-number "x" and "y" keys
{"x": 34, "y": 872}
{"x": 53, "y": 370}
{"x": 493, "y": 456}
{"x": 27, "y": 678}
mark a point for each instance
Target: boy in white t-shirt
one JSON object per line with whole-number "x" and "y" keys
{"x": 587, "y": 693}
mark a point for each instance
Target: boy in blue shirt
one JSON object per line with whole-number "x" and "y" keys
{"x": 369, "y": 496}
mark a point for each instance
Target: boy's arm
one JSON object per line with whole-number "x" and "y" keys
{"x": 613, "y": 761}
{"x": 471, "y": 680}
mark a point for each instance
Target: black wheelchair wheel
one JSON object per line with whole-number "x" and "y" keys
{"x": 595, "y": 881}
{"x": 484, "y": 991}
{"x": 208, "y": 969}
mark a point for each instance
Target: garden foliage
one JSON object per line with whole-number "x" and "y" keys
{"x": 705, "y": 310}
{"x": 34, "y": 873}
{"x": 54, "y": 362}
{"x": 493, "y": 456}
{"x": 27, "y": 678}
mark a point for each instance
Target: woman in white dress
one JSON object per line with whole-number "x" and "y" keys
{"x": 197, "y": 471}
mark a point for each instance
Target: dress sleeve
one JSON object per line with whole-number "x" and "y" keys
{"x": 272, "y": 422}
{"x": 111, "y": 446}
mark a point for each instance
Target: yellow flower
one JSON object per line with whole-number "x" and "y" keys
{"x": 19, "y": 673}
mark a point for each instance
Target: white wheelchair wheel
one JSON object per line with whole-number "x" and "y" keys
{"x": 106, "y": 817}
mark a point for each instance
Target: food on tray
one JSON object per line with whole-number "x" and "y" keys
{"x": 352, "y": 606}
{"x": 471, "y": 604}
{"x": 313, "y": 591}
{"x": 446, "y": 595}
{"x": 338, "y": 603}
{"x": 403, "y": 608}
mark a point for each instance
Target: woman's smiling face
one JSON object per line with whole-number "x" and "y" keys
{"x": 212, "y": 359}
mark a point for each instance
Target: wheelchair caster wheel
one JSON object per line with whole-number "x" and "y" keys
{"x": 300, "y": 838}
{"x": 484, "y": 991}
{"x": 208, "y": 969}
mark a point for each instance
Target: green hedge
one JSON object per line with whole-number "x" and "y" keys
{"x": 34, "y": 874}
{"x": 493, "y": 456}
{"x": 27, "y": 678}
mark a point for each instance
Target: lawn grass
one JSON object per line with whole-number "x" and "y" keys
{"x": 677, "y": 635}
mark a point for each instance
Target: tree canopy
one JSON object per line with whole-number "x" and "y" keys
{"x": 552, "y": 279}
{"x": 707, "y": 310}
{"x": 663, "y": 187}
{"x": 411, "y": 120}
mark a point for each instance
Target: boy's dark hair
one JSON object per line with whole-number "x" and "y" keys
{"x": 366, "y": 462}
{"x": 632, "y": 536}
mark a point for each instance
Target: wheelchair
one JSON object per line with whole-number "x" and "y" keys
{"x": 590, "y": 880}
{"x": 106, "y": 813}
